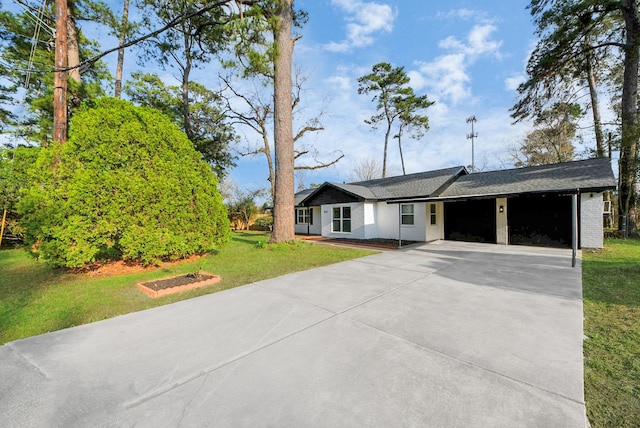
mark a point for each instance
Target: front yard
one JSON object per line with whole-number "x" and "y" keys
{"x": 611, "y": 287}
{"x": 36, "y": 299}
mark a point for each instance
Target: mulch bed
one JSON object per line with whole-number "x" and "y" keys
{"x": 176, "y": 281}
{"x": 176, "y": 284}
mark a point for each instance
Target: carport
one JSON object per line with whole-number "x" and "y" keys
{"x": 543, "y": 220}
{"x": 471, "y": 220}
{"x": 530, "y": 206}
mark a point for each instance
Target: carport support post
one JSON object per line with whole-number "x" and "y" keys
{"x": 399, "y": 225}
{"x": 574, "y": 228}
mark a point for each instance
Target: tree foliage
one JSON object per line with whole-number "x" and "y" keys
{"x": 190, "y": 43}
{"x": 576, "y": 37}
{"x": 395, "y": 101}
{"x": 14, "y": 178}
{"x": 128, "y": 184}
{"x": 210, "y": 133}
{"x": 33, "y": 70}
{"x": 552, "y": 141}
{"x": 241, "y": 203}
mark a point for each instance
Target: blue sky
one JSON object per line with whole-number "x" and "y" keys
{"x": 467, "y": 56}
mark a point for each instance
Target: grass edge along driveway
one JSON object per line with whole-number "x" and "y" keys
{"x": 36, "y": 299}
{"x": 611, "y": 298}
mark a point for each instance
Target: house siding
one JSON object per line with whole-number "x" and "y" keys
{"x": 591, "y": 222}
{"x": 370, "y": 220}
{"x": 434, "y": 231}
{"x": 502, "y": 225}
{"x": 389, "y": 220}
{"x": 357, "y": 221}
{"x": 314, "y": 228}
{"x": 332, "y": 196}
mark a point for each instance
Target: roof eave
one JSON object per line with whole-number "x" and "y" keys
{"x": 570, "y": 191}
{"x": 328, "y": 184}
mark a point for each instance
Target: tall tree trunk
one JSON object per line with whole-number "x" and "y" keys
{"x": 186, "y": 72}
{"x": 595, "y": 105}
{"x": 386, "y": 145}
{"x": 60, "y": 79}
{"x": 73, "y": 49}
{"x": 629, "y": 143}
{"x": 272, "y": 174}
{"x": 121, "y": 37}
{"x": 283, "y": 208}
{"x": 400, "y": 149}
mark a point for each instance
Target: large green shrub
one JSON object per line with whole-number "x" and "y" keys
{"x": 14, "y": 178}
{"x": 128, "y": 184}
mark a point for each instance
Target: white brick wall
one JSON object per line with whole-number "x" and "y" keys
{"x": 357, "y": 221}
{"x": 388, "y": 222}
{"x": 502, "y": 225}
{"x": 591, "y": 234}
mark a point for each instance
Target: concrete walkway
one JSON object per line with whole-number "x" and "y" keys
{"x": 446, "y": 334}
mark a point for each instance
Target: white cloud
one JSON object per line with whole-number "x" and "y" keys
{"x": 466, "y": 15}
{"x": 478, "y": 42}
{"x": 342, "y": 84}
{"x": 365, "y": 19}
{"x": 512, "y": 83}
{"x": 446, "y": 78}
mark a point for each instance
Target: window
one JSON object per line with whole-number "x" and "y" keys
{"x": 304, "y": 215}
{"x": 407, "y": 214}
{"x": 432, "y": 213}
{"x": 341, "y": 219}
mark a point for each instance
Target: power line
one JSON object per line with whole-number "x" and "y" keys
{"x": 34, "y": 45}
{"x": 37, "y": 15}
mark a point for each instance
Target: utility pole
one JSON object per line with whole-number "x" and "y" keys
{"x": 472, "y": 137}
{"x": 60, "y": 81}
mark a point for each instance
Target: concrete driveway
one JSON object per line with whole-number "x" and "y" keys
{"x": 445, "y": 334}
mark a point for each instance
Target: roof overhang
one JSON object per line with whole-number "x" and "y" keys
{"x": 325, "y": 185}
{"x": 573, "y": 191}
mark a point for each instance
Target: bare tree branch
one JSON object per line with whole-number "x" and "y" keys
{"x": 177, "y": 20}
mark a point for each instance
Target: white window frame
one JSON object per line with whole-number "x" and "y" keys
{"x": 341, "y": 219}
{"x": 304, "y": 215}
{"x": 433, "y": 214}
{"x": 407, "y": 217}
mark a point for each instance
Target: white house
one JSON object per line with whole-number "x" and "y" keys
{"x": 533, "y": 205}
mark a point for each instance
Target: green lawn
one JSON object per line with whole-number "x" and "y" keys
{"x": 611, "y": 283}
{"x": 35, "y": 299}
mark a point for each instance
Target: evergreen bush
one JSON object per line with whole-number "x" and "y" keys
{"x": 127, "y": 185}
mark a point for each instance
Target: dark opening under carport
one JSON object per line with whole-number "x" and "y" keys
{"x": 540, "y": 220}
{"x": 470, "y": 220}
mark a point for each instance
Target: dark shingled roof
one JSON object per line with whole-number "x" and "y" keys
{"x": 451, "y": 183}
{"x": 301, "y": 195}
{"x": 403, "y": 186}
{"x": 585, "y": 175}
{"x": 422, "y": 184}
